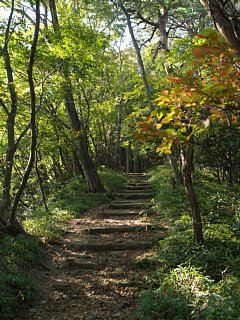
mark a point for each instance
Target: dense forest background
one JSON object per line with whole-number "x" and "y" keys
{"x": 88, "y": 88}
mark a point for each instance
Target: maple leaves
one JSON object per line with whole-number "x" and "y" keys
{"x": 206, "y": 93}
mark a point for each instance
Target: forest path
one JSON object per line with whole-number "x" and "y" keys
{"x": 93, "y": 274}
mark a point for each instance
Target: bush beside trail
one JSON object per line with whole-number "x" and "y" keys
{"x": 188, "y": 280}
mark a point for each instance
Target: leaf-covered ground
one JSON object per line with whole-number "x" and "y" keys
{"x": 91, "y": 285}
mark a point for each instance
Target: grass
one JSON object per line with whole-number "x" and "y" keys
{"x": 190, "y": 281}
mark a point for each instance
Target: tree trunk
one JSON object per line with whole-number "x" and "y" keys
{"x": 136, "y": 168}
{"x": 12, "y": 224}
{"x": 192, "y": 197}
{"x": 79, "y": 136}
{"x": 177, "y": 173}
{"x": 8, "y": 217}
{"x": 226, "y": 23}
{"x": 41, "y": 185}
{"x": 80, "y": 142}
{"x": 117, "y": 154}
{"x": 11, "y": 115}
{"x": 128, "y": 160}
{"x": 139, "y": 57}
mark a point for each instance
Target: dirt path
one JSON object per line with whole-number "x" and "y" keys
{"x": 92, "y": 271}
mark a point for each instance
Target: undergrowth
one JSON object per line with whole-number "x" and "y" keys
{"x": 190, "y": 281}
{"x": 71, "y": 200}
{"x": 18, "y": 255}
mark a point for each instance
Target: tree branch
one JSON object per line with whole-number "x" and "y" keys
{"x": 4, "y": 106}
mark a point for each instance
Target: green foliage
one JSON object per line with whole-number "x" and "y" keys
{"x": 218, "y": 148}
{"x": 182, "y": 293}
{"x": 45, "y": 225}
{"x": 17, "y": 256}
{"x": 71, "y": 199}
{"x": 218, "y": 255}
{"x": 188, "y": 279}
{"x": 186, "y": 293}
{"x": 168, "y": 201}
{"x": 112, "y": 180}
{"x": 74, "y": 197}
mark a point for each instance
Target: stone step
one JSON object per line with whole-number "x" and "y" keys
{"x": 138, "y": 186}
{"x": 119, "y": 229}
{"x": 126, "y": 205}
{"x": 135, "y": 174}
{"x": 142, "y": 184}
{"x": 133, "y": 195}
{"x": 119, "y": 213}
{"x": 137, "y": 190}
{"x": 131, "y": 201}
{"x": 98, "y": 247}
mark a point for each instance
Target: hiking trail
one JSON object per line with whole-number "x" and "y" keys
{"x": 92, "y": 271}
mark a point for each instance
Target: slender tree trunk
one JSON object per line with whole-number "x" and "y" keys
{"x": 136, "y": 168}
{"x": 192, "y": 197}
{"x": 41, "y": 186}
{"x": 77, "y": 165}
{"x": 11, "y": 115}
{"x": 12, "y": 224}
{"x": 127, "y": 150}
{"x": 117, "y": 156}
{"x": 80, "y": 142}
{"x": 177, "y": 173}
{"x": 139, "y": 57}
{"x": 79, "y": 136}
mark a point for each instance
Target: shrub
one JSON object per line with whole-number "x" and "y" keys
{"x": 71, "y": 200}
{"x": 17, "y": 256}
{"x": 192, "y": 281}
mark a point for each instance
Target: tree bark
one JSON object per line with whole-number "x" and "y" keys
{"x": 117, "y": 155}
{"x": 139, "y": 57}
{"x": 80, "y": 142}
{"x": 127, "y": 154}
{"x": 12, "y": 224}
{"x": 79, "y": 136}
{"x": 177, "y": 174}
{"x": 228, "y": 25}
{"x": 41, "y": 185}
{"x": 8, "y": 217}
{"x": 11, "y": 115}
{"x": 192, "y": 197}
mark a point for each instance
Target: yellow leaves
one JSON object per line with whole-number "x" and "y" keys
{"x": 149, "y": 130}
{"x": 206, "y": 93}
{"x": 164, "y": 148}
{"x": 158, "y": 126}
{"x": 234, "y": 119}
{"x": 162, "y": 100}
